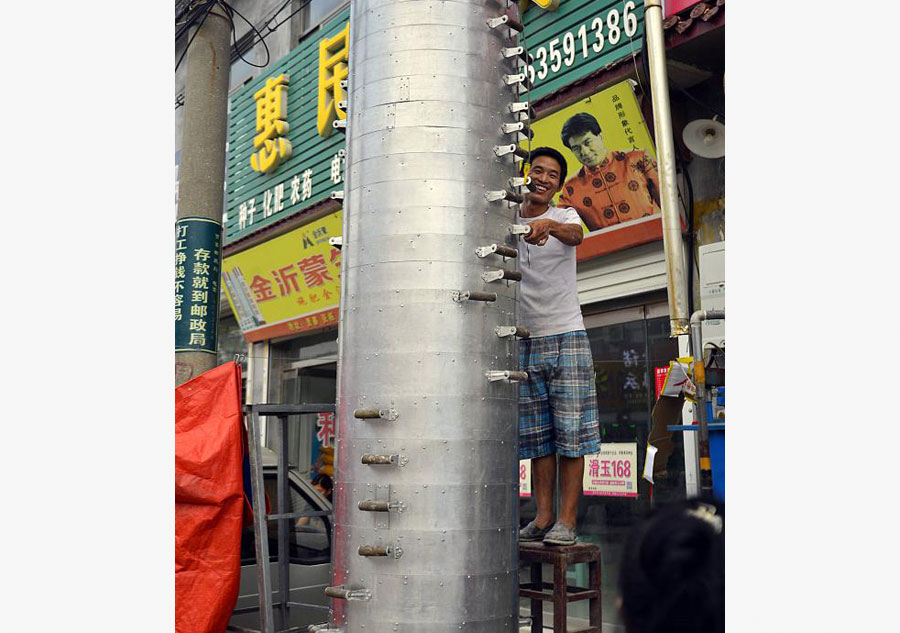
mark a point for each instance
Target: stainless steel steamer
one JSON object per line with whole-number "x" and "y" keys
{"x": 427, "y": 486}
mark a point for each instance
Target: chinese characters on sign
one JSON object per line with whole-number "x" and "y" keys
{"x": 272, "y": 125}
{"x": 289, "y": 284}
{"x": 325, "y": 428}
{"x": 524, "y": 477}
{"x": 612, "y": 472}
{"x": 273, "y": 200}
{"x": 197, "y": 248}
{"x": 660, "y": 374}
{"x": 333, "y": 56}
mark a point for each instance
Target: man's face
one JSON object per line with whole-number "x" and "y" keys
{"x": 588, "y": 148}
{"x": 544, "y": 174}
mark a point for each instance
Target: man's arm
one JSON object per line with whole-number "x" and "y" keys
{"x": 567, "y": 233}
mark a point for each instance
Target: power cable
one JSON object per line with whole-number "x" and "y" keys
{"x": 209, "y": 6}
{"x": 230, "y": 10}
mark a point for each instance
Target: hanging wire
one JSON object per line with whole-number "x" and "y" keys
{"x": 209, "y": 6}
{"x": 230, "y": 10}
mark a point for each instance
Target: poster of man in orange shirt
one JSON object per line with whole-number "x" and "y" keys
{"x": 612, "y": 186}
{"x": 609, "y": 152}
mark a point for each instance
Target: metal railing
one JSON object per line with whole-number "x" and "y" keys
{"x": 266, "y": 607}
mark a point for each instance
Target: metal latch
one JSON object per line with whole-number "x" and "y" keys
{"x": 496, "y": 275}
{"x": 390, "y": 551}
{"x": 375, "y": 505}
{"x": 373, "y": 414}
{"x": 472, "y": 295}
{"x": 337, "y": 195}
{"x": 336, "y": 242}
{"x": 508, "y": 21}
{"x": 371, "y": 459}
{"x": 506, "y": 374}
{"x": 499, "y": 249}
{"x": 342, "y": 593}
{"x": 512, "y": 330}
{"x": 519, "y": 127}
{"x": 519, "y": 229}
{"x": 519, "y": 181}
{"x": 512, "y": 148}
{"x": 503, "y": 194}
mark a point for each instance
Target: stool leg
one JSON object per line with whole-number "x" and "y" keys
{"x": 596, "y": 604}
{"x": 537, "y": 606}
{"x": 559, "y": 596}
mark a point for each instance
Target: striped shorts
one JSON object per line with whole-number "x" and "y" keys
{"x": 558, "y": 403}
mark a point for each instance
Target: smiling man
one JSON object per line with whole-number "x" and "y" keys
{"x": 611, "y": 187}
{"x": 558, "y": 402}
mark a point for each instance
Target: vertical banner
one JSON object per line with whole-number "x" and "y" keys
{"x": 524, "y": 477}
{"x": 612, "y": 472}
{"x": 660, "y": 374}
{"x": 198, "y": 244}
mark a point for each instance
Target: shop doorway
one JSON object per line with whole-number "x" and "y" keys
{"x": 305, "y": 370}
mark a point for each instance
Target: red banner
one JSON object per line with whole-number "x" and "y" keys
{"x": 209, "y": 499}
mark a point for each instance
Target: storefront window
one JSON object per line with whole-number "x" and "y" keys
{"x": 626, "y": 349}
{"x": 304, "y": 370}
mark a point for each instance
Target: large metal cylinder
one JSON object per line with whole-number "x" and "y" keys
{"x": 426, "y": 102}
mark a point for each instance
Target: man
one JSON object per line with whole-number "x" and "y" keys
{"x": 558, "y": 402}
{"x": 611, "y": 187}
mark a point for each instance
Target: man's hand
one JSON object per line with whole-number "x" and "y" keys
{"x": 542, "y": 230}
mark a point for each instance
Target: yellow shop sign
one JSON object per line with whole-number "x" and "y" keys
{"x": 287, "y": 285}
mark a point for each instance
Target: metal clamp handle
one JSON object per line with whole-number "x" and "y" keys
{"x": 472, "y": 295}
{"x": 394, "y": 551}
{"x": 496, "y": 275}
{"x": 512, "y": 330}
{"x": 521, "y": 106}
{"x": 503, "y": 194}
{"x": 371, "y": 459}
{"x": 373, "y": 414}
{"x": 508, "y": 21}
{"x": 512, "y": 148}
{"x": 506, "y": 374}
{"x": 342, "y": 593}
{"x": 499, "y": 249}
{"x": 374, "y": 505}
{"x": 519, "y": 229}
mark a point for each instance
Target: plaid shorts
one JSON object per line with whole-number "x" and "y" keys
{"x": 558, "y": 403}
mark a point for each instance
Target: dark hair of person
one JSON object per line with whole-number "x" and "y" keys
{"x": 578, "y": 124}
{"x": 555, "y": 155}
{"x": 324, "y": 481}
{"x": 672, "y": 577}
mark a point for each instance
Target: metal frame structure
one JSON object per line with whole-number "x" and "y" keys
{"x": 260, "y": 518}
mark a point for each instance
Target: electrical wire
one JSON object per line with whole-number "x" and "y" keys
{"x": 230, "y": 10}
{"x": 209, "y": 6}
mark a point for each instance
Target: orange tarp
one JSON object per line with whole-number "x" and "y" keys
{"x": 209, "y": 499}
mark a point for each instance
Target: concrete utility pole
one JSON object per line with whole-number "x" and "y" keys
{"x": 198, "y": 243}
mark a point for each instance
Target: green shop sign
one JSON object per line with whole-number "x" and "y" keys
{"x": 580, "y": 37}
{"x": 197, "y": 271}
{"x": 278, "y": 160}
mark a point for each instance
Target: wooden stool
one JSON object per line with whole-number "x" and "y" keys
{"x": 537, "y": 554}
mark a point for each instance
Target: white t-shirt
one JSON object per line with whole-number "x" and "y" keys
{"x": 548, "y": 299}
